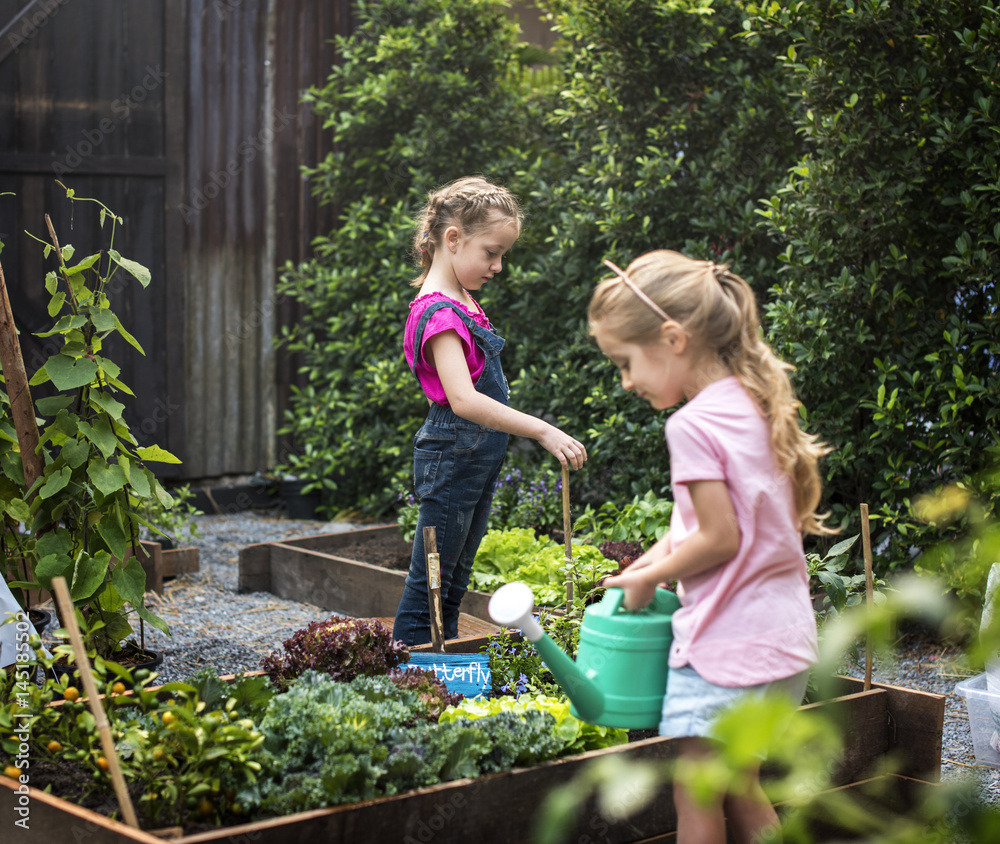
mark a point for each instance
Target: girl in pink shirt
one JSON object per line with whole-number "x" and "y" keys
{"x": 746, "y": 486}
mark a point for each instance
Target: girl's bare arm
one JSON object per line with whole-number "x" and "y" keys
{"x": 716, "y": 541}
{"x": 446, "y": 353}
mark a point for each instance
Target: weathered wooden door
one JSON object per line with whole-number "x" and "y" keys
{"x": 92, "y": 96}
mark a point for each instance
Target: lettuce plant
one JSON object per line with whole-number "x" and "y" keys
{"x": 343, "y": 648}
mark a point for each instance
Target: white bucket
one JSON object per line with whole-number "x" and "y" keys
{"x": 989, "y": 608}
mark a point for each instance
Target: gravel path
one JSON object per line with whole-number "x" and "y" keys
{"x": 212, "y": 624}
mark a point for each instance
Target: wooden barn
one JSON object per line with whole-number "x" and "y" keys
{"x": 184, "y": 118}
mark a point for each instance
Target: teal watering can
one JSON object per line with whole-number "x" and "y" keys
{"x": 620, "y": 674}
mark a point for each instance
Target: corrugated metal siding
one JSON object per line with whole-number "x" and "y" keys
{"x": 248, "y": 136}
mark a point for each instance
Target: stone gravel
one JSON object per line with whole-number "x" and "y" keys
{"x": 212, "y": 624}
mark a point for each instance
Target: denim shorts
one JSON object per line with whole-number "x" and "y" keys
{"x": 692, "y": 703}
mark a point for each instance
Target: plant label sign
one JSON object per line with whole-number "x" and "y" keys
{"x": 464, "y": 674}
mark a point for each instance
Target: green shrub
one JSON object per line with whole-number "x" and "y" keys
{"x": 887, "y": 302}
{"x": 408, "y": 106}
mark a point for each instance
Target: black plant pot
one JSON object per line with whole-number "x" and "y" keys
{"x": 297, "y": 505}
{"x": 40, "y": 619}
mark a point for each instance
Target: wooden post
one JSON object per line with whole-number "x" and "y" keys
{"x": 21, "y": 405}
{"x": 866, "y": 545}
{"x": 93, "y": 700}
{"x": 434, "y": 589}
{"x": 567, "y": 538}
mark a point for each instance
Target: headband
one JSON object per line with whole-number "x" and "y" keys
{"x": 631, "y": 285}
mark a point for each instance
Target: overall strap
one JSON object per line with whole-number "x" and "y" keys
{"x": 418, "y": 339}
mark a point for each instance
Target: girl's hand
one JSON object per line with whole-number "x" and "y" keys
{"x": 568, "y": 451}
{"x": 639, "y": 588}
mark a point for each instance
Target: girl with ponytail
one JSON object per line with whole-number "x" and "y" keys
{"x": 746, "y": 486}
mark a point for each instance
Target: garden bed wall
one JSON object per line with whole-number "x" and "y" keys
{"x": 316, "y": 570}
{"x": 502, "y": 807}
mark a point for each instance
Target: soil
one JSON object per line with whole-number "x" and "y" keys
{"x": 385, "y": 550}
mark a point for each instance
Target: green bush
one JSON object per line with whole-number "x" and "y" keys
{"x": 670, "y": 129}
{"x": 842, "y": 157}
{"x": 887, "y": 302}
{"x": 424, "y": 93}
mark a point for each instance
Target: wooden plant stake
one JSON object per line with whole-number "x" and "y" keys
{"x": 93, "y": 699}
{"x": 568, "y": 537}
{"x": 22, "y": 408}
{"x": 866, "y": 544}
{"x": 434, "y": 589}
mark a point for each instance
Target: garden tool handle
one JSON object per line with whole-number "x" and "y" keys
{"x": 68, "y": 617}
{"x": 567, "y": 537}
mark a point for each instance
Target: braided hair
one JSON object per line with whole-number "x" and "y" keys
{"x": 472, "y": 204}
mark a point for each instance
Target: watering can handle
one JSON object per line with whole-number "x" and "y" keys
{"x": 664, "y": 601}
{"x": 615, "y": 597}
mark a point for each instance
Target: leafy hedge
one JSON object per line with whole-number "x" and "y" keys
{"x": 841, "y": 156}
{"x": 887, "y": 298}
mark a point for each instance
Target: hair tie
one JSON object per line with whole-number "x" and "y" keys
{"x": 631, "y": 285}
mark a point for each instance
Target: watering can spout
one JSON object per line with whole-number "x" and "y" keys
{"x": 511, "y": 606}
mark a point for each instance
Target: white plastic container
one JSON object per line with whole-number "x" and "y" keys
{"x": 984, "y": 719}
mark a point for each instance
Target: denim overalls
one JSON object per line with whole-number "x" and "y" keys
{"x": 456, "y": 464}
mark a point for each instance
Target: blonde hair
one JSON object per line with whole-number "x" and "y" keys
{"x": 718, "y": 310}
{"x": 472, "y": 203}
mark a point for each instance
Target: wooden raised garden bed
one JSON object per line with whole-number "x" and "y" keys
{"x": 502, "y": 807}
{"x": 348, "y": 572}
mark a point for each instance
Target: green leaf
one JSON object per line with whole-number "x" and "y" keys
{"x": 56, "y": 482}
{"x": 156, "y": 454}
{"x": 17, "y": 509}
{"x": 151, "y": 619}
{"x": 112, "y": 407}
{"x": 55, "y": 565}
{"x": 104, "y": 320}
{"x": 75, "y": 453}
{"x": 110, "y": 530}
{"x": 89, "y": 573}
{"x": 842, "y": 547}
{"x": 139, "y": 479}
{"x": 128, "y": 337}
{"x": 51, "y": 405}
{"x": 56, "y": 303}
{"x": 135, "y": 268}
{"x": 57, "y": 541}
{"x": 41, "y": 376}
{"x": 101, "y": 435}
{"x": 108, "y": 478}
{"x": 69, "y": 374}
{"x": 130, "y": 580}
{"x": 85, "y": 264}
{"x": 68, "y": 323}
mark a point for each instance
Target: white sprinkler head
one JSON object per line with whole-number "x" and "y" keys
{"x": 511, "y": 606}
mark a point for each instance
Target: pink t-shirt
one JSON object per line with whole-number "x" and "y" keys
{"x": 750, "y": 620}
{"x": 443, "y": 320}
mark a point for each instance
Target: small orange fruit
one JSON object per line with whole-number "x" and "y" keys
{"x": 102, "y": 763}
{"x": 168, "y": 718}
{"x": 71, "y": 693}
{"x": 53, "y": 746}
{"x": 12, "y": 772}
{"x": 118, "y": 688}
